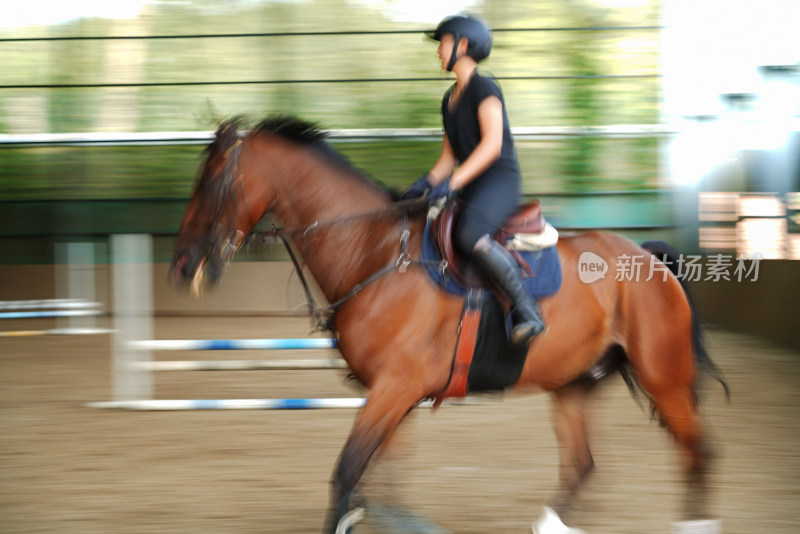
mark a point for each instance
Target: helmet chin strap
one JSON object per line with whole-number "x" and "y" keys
{"x": 454, "y": 55}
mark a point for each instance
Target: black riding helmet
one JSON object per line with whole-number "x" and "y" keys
{"x": 477, "y": 32}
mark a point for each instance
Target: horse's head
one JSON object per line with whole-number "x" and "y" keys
{"x": 220, "y": 213}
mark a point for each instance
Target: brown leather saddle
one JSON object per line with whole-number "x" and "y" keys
{"x": 526, "y": 220}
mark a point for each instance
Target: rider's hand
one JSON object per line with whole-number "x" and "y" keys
{"x": 417, "y": 189}
{"x": 440, "y": 191}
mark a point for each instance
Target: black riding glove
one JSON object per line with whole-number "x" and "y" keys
{"x": 417, "y": 189}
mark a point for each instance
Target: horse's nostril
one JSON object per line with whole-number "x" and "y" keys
{"x": 179, "y": 268}
{"x": 186, "y": 267}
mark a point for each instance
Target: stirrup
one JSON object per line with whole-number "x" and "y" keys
{"x": 350, "y": 518}
{"x": 523, "y": 334}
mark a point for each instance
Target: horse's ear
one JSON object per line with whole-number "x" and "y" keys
{"x": 222, "y": 128}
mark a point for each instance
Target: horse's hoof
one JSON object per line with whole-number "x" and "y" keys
{"x": 550, "y": 523}
{"x": 350, "y": 518}
{"x": 703, "y": 526}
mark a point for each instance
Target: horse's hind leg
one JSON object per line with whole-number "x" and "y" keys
{"x": 378, "y": 419}
{"x": 678, "y": 411}
{"x": 668, "y": 377}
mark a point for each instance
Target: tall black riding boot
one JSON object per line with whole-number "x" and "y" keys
{"x": 499, "y": 266}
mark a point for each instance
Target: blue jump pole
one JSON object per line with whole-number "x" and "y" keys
{"x": 45, "y": 304}
{"x": 234, "y": 344}
{"x": 54, "y": 313}
{"x": 230, "y": 404}
{"x": 258, "y": 404}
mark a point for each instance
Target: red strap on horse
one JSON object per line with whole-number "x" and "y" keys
{"x": 465, "y": 349}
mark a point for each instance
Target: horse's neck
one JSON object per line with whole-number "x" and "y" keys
{"x": 336, "y": 222}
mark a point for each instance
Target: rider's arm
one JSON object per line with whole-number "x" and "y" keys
{"x": 444, "y": 165}
{"x": 490, "y": 118}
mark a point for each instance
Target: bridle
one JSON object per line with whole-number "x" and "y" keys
{"x": 230, "y": 192}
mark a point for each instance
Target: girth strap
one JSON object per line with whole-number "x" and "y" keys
{"x": 458, "y": 385}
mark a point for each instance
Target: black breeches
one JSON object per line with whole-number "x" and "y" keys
{"x": 489, "y": 202}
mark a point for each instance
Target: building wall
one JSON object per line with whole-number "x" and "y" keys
{"x": 766, "y": 307}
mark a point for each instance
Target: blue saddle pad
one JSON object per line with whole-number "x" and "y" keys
{"x": 546, "y": 279}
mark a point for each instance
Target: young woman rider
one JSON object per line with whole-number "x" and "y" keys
{"x": 478, "y": 160}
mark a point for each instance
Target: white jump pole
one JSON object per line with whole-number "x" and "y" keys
{"x": 34, "y": 309}
{"x": 240, "y": 365}
{"x": 132, "y": 283}
{"x": 132, "y": 343}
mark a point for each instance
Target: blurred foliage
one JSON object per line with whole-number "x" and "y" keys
{"x": 581, "y": 164}
{"x": 169, "y": 171}
{"x": 582, "y": 96}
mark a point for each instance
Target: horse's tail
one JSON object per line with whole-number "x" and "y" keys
{"x": 670, "y": 257}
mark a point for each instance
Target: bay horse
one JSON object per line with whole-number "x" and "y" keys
{"x": 397, "y": 330}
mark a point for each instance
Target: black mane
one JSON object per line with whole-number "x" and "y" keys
{"x": 306, "y": 133}
{"x": 292, "y": 128}
{"x": 313, "y": 136}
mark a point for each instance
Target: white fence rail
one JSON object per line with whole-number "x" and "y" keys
{"x": 203, "y": 137}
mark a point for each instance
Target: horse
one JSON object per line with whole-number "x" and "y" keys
{"x": 397, "y": 330}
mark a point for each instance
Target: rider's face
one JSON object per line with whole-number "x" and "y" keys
{"x": 445, "y": 49}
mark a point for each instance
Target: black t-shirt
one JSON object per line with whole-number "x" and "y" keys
{"x": 463, "y": 129}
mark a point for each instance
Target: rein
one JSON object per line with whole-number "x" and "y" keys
{"x": 405, "y": 206}
{"x": 324, "y": 315}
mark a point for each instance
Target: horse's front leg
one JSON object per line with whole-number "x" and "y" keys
{"x": 575, "y": 456}
{"x": 385, "y": 409}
